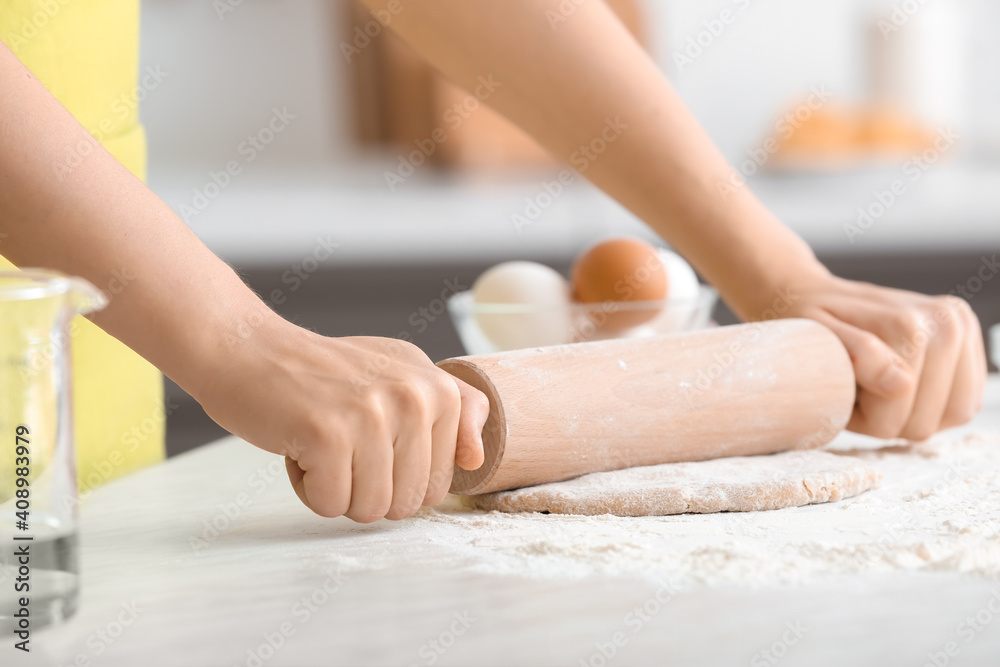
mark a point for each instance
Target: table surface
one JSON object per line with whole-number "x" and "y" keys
{"x": 159, "y": 588}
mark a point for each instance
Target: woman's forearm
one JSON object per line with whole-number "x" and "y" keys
{"x": 356, "y": 443}
{"x": 67, "y": 204}
{"x": 565, "y": 82}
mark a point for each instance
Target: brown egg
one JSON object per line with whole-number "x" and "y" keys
{"x": 616, "y": 272}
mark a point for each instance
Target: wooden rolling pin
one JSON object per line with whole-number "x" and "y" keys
{"x": 563, "y": 411}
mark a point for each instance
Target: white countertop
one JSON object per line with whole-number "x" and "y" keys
{"x": 193, "y": 599}
{"x": 273, "y": 217}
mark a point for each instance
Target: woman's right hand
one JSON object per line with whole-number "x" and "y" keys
{"x": 369, "y": 427}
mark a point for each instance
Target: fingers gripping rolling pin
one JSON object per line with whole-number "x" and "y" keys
{"x": 563, "y": 411}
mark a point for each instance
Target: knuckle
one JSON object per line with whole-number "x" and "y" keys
{"x": 409, "y": 398}
{"x": 369, "y": 414}
{"x": 950, "y": 331}
{"x": 960, "y": 414}
{"x": 328, "y": 507}
{"x": 882, "y": 420}
{"x": 869, "y": 345}
{"x": 949, "y": 317}
{"x": 909, "y": 323}
{"x": 294, "y": 447}
{"x": 317, "y": 435}
{"x": 957, "y": 304}
{"x": 408, "y": 351}
{"x": 447, "y": 389}
{"x": 965, "y": 312}
{"x": 313, "y": 427}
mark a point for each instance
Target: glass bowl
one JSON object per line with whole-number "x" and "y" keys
{"x": 485, "y": 328}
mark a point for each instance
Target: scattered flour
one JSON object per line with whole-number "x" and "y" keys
{"x": 936, "y": 509}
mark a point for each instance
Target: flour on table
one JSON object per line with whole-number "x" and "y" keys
{"x": 937, "y": 509}
{"x": 736, "y": 484}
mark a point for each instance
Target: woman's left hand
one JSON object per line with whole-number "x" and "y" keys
{"x": 919, "y": 360}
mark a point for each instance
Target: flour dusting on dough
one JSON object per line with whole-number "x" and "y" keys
{"x": 735, "y": 484}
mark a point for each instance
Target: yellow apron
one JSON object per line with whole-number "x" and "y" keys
{"x": 85, "y": 52}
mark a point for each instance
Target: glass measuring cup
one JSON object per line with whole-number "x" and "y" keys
{"x": 38, "y": 492}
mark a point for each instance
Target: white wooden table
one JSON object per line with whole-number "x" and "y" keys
{"x": 159, "y": 588}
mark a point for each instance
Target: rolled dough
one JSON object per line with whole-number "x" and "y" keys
{"x": 736, "y": 484}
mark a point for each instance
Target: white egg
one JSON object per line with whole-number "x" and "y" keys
{"x": 682, "y": 281}
{"x": 683, "y": 289}
{"x": 542, "y": 291}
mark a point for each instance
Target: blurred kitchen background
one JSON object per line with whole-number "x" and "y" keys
{"x": 819, "y": 105}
